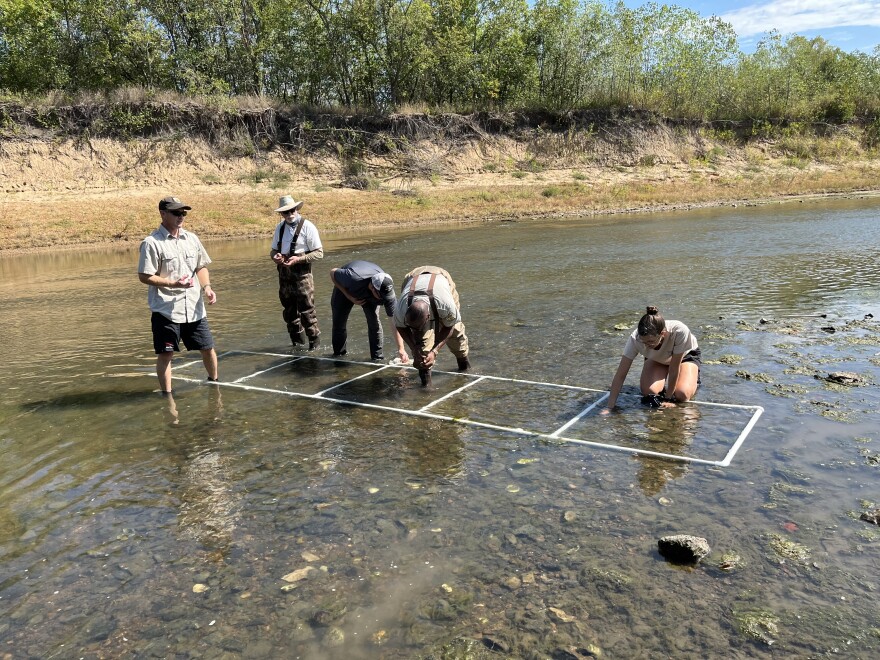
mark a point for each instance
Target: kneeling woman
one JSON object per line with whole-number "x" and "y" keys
{"x": 672, "y": 360}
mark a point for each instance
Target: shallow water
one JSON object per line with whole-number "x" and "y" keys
{"x": 115, "y": 503}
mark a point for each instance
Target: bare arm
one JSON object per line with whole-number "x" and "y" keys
{"x": 155, "y": 280}
{"x": 205, "y": 282}
{"x": 401, "y": 347}
{"x": 344, "y": 291}
{"x": 406, "y": 335}
{"x": 617, "y": 381}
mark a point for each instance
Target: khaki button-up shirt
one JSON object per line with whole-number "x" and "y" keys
{"x": 166, "y": 256}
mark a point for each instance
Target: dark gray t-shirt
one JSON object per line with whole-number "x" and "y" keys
{"x": 355, "y": 278}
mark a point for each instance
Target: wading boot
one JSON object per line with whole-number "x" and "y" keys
{"x": 298, "y": 338}
{"x": 425, "y": 377}
{"x": 464, "y": 364}
{"x": 315, "y": 343}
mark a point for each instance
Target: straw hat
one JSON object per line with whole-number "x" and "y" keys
{"x": 288, "y": 203}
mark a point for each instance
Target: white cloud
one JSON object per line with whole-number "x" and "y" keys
{"x": 789, "y": 16}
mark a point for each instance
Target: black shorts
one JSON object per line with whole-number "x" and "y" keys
{"x": 693, "y": 356}
{"x": 167, "y": 334}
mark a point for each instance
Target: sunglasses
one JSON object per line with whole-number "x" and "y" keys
{"x": 179, "y": 214}
{"x": 288, "y": 212}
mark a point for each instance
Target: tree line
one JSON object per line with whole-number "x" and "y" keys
{"x": 462, "y": 55}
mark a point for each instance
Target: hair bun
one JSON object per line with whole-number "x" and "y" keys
{"x": 651, "y": 310}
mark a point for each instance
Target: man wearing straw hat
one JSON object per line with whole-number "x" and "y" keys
{"x": 295, "y": 246}
{"x": 428, "y": 317}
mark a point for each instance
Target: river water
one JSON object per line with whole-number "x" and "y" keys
{"x": 136, "y": 525}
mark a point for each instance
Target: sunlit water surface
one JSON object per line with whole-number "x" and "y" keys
{"x": 134, "y": 525}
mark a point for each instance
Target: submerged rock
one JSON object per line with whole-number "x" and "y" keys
{"x": 872, "y": 517}
{"x": 495, "y": 643}
{"x": 730, "y": 561}
{"x": 758, "y": 624}
{"x": 843, "y": 378}
{"x": 789, "y": 549}
{"x": 758, "y": 377}
{"x": 683, "y": 548}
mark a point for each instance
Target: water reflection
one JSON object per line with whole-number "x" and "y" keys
{"x": 668, "y": 431}
{"x": 209, "y": 509}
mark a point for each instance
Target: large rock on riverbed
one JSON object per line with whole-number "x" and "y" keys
{"x": 843, "y": 378}
{"x": 683, "y": 548}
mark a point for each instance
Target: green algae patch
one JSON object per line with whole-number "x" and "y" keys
{"x": 843, "y": 416}
{"x": 799, "y": 371}
{"x": 790, "y": 391}
{"x": 783, "y": 489}
{"x": 730, "y": 561}
{"x": 729, "y": 358}
{"x": 757, "y": 377}
{"x": 790, "y": 550}
{"x": 758, "y": 624}
{"x": 716, "y": 335}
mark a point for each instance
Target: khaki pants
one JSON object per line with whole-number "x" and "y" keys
{"x": 457, "y": 340}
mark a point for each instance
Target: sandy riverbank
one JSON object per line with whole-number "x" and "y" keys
{"x": 67, "y": 197}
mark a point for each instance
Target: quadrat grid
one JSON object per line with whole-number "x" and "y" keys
{"x": 460, "y": 398}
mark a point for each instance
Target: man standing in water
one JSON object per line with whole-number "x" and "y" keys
{"x": 172, "y": 261}
{"x": 295, "y": 245}
{"x": 364, "y": 284}
{"x": 428, "y": 317}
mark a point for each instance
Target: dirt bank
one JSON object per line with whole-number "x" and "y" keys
{"x": 63, "y": 190}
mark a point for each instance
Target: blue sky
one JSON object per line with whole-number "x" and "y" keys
{"x": 848, "y": 24}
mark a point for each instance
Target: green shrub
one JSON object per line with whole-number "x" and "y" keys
{"x": 799, "y": 163}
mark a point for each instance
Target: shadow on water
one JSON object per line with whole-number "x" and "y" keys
{"x": 91, "y": 399}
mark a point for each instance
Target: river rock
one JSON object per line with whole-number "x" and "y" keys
{"x": 843, "y": 378}
{"x": 100, "y": 628}
{"x": 297, "y": 575}
{"x": 495, "y": 643}
{"x": 872, "y": 517}
{"x": 683, "y": 548}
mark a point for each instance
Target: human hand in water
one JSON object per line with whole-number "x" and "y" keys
{"x": 429, "y": 358}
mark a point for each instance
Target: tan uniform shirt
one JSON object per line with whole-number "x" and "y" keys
{"x": 166, "y": 256}
{"x": 678, "y": 341}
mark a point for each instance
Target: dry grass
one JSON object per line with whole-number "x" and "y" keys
{"x": 229, "y": 211}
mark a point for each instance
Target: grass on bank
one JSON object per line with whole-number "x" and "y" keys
{"x": 220, "y": 212}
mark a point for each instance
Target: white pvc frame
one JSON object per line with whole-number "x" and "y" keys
{"x": 422, "y": 412}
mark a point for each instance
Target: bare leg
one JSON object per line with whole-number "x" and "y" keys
{"x": 686, "y": 387}
{"x": 209, "y": 357}
{"x": 653, "y": 378}
{"x": 163, "y": 370}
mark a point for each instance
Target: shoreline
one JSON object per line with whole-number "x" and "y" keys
{"x": 342, "y": 230}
